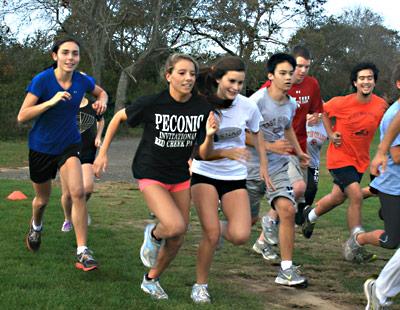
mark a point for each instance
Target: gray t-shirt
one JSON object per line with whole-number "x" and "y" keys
{"x": 277, "y": 117}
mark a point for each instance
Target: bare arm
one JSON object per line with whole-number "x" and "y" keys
{"x": 29, "y": 109}
{"x": 380, "y": 158}
{"x": 101, "y": 162}
{"x": 100, "y": 105}
{"x": 100, "y": 128}
{"x": 291, "y": 136}
{"x": 279, "y": 146}
{"x": 335, "y": 137}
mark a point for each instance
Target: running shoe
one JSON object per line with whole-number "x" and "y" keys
{"x": 153, "y": 288}
{"x": 308, "y": 227}
{"x": 268, "y": 253}
{"x": 150, "y": 247}
{"x": 86, "y": 262}
{"x": 290, "y": 277}
{"x": 66, "y": 226}
{"x": 353, "y": 252}
{"x": 372, "y": 299}
{"x": 270, "y": 230}
{"x": 33, "y": 239}
{"x": 200, "y": 294}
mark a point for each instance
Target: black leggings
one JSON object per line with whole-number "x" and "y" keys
{"x": 390, "y": 213}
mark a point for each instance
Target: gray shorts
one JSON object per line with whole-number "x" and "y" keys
{"x": 257, "y": 189}
{"x": 296, "y": 173}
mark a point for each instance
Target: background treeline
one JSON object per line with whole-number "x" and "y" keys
{"x": 125, "y": 42}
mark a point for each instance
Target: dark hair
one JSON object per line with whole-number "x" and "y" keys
{"x": 57, "y": 45}
{"x": 173, "y": 59}
{"x": 206, "y": 83}
{"x": 301, "y": 51}
{"x": 278, "y": 58}
{"x": 362, "y": 66}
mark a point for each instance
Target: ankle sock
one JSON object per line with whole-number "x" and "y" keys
{"x": 36, "y": 227}
{"x": 80, "y": 249}
{"x": 312, "y": 216}
{"x": 286, "y": 264}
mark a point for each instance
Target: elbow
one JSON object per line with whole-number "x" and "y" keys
{"x": 20, "y": 119}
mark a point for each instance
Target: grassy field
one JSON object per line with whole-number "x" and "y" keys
{"x": 239, "y": 278}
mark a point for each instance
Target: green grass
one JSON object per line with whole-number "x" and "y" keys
{"x": 13, "y": 154}
{"x": 239, "y": 278}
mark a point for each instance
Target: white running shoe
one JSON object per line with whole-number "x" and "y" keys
{"x": 200, "y": 294}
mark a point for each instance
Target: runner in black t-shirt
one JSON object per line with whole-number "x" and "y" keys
{"x": 174, "y": 120}
{"x": 91, "y": 127}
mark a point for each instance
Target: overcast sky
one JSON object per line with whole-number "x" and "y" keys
{"x": 388, "y": 9}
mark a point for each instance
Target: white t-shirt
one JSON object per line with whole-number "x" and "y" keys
{"x": 316, "y": 136}
{"x": 242, "y": 115}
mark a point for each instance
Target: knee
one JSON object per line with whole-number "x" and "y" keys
{"x": 40, "y": 202}
{"x": 239, "y": 238}
{"x": 175, "y": 230}
{"x": 212, "y": 236}
{"x": 88, "y": 194}
{"x": 77, "y": 194}
{"x": 287, "y": 212}
{"x": 299, "y": 189}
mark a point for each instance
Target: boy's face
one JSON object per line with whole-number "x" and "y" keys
{"x": 282, "y": 78}
{"x": 365, "y": 82}
{"x": 302, "y": 68}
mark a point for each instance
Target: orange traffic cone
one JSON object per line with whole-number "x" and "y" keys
{"x": 17, "y": 195}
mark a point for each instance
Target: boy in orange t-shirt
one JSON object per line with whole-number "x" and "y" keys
{"x": 357, "y": 116}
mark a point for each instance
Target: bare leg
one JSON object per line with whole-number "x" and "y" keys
{"x": 286, "y": 213}
{"x": 71, "y": 175}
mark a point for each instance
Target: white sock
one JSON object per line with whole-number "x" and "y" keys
{"x": 80, "y": 249}
{"x": 312, "y": 216}
{"x": 36, "y": 227}
{"x": 286, "y": 264}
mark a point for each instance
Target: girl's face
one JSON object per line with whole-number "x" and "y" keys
{"x": 67, "y": 56}
{"x": 181, "y": 80}
{"x": 230, "y": 85}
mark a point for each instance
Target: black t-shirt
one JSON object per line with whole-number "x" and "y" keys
{"x": 171, "y": 129}
{"x": 87, "y": 121}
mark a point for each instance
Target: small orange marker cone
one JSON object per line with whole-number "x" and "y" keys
{"x": 17, "y": 195}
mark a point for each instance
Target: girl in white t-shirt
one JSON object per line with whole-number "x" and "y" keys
{"x": 223, "y": 177}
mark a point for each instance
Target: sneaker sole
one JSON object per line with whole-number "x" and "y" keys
{"x": 256, "y": 249}
{"x": 82, "y": 267}
{"x": 145, "y": 262}
{"x": 144, "y": 289}
{"x": 367, "y": 293}
{"x": 280, "y": 281}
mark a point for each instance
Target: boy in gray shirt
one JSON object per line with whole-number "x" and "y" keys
{"x": 277, "y": 109}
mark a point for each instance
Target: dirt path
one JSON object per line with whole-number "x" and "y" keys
{"x": 120, "y": 159}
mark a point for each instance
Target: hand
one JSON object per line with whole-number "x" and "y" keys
{"x": 99, "y": 107}
{"x": 237, "y": 153}
{"x": 60, "y": 96}
{"x": 304, "y": 160}
{"x": 97, "y": 142}
{"x": 379, "y": 160}
{"x": 212, "y": 124}
{"x": 313, "y": 119}
{"x": 336, "y": 138}
{"x": 100, "y": 165}
{"x": 282, "y": 147}
{"x": 265, "y": 177}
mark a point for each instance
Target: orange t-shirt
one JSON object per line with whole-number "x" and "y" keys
{"x": 357, "y": 122}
